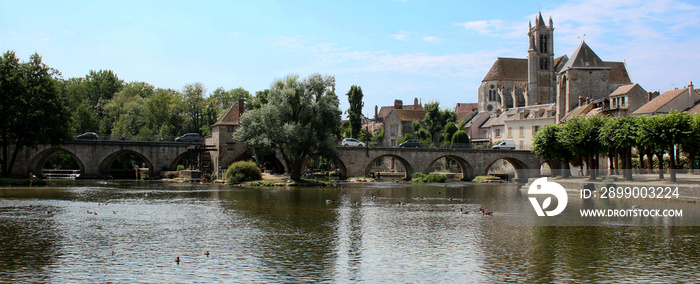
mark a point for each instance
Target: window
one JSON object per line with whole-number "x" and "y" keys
{"x": 498, "y": 132}
{"x": 231, "y": 128}
{"x": 544, "y": 64}
{"x": 622, "y": 101}
{"x": 484, "y": 134}
{"x": 543, "y": 43}
{"x": 510, "y": 132}
{"x": 535, "y": 129}
{"x": 520, "y": 145}
{"x": 393, "y": 142}
{"x": 522, "y": 132}
{"x": 393, "y": 130}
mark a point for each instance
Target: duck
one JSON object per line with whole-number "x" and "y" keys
{"x": 462, "y": 211}
{"x": 177, "y": 260}
{"x": 486, "y": 213}
{"x": 206, "y": 253}
{"x": 402, "y": 203}
{"x": 450, "y": 199}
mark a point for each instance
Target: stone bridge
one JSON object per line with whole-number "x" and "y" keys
{"x": 359, "y": 161}
{"x": 95, "y": 157}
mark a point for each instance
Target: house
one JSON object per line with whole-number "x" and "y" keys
{"x": 521, "y": 127}
{"x": 625, "y": 100}
{"x": 398, "y": 123}
{"x": 677, "y": 99}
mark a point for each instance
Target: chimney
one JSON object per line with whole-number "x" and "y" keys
{"x": 580, "y": 100}
{"x": 648, "y": 96}
{"x": 691, "y": 89}
{"x": 398, "y": 104}
{"x": 415, "y": 103}
{"x": 376, "y": 112}
{"x": 241, "y": 107}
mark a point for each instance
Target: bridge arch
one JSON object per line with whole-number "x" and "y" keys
{"x": 404, "y": 162}
{"x": 104, "y": 165}
{"x": 465, "y": 167}
{"x": 522, "y": 171}
{"x": 36, "y": 163}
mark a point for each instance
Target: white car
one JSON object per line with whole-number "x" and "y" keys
{"x": 505, "y": 145}
{"x": 353, "y": 142}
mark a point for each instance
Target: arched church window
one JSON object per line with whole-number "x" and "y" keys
{"x": 544, "y": 64}
{"x": 543, "y": 43}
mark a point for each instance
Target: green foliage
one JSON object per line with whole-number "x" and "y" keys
{"x": 460, "y": 137}
{"x": 548, "y": 144}
{"x": 378, "y": 135}
{"x": 180, "y": 167}
{"x": 436, "y": 119}
{"x": 355, "y": 110}
{"x": 419, "y": 177}
{"x": 61, "y": 160}
{"x": 243, "y": 171}
{"x": 32, "y": 111}
{"x": 300, "y": 119}
{"x": 450, "y": 129}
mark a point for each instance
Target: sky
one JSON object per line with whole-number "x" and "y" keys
{"x": 430, "y": 50}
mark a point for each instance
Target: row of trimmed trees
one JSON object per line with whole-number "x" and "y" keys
{"x": 585, "y": 138}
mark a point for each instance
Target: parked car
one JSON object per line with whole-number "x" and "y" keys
{"x": 88, "y": 136}
{"x": 353, "y": 142}
{"x": 504, "y": 145}
{"x": 410, "y": 144}
{"x": 189, "y": 137}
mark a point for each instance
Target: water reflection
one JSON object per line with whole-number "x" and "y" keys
{"x": 294, "y": 235}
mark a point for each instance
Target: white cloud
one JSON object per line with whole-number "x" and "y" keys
{"x": 401, "y": 35}
{"x": 483, "y": 27}
{"x": 432, "y": 39}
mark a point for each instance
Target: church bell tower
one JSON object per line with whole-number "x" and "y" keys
{"x": 541, "y": 80}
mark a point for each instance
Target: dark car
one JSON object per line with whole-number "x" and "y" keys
{"x": 88, "y": 136}
{"x": 189, "y": 137}
{"x": 410, "y": 144}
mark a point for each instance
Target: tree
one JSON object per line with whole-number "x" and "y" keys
{"x": 690, "y": 145}
{"x": 460, "y": 138}
{"x": 549, "y": 145}
{"x": 676, "y": 126}
{"x": 435, "y": 119}
{"x": 193, "y": 98}
{"x": 619, "y": 135}
{"x": 32, "y": 111}
{"x": 300, "y": 120}
{"x": 580, "y": 135}
{"x": 223, "y": 100}
{"x": 650, "y": 136}
{"x": 355, "y": 110}
{"x": 450, "y": 129}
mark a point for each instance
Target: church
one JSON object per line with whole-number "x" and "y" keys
{"x": 559, "y": 83}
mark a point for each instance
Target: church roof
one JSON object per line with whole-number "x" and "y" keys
{"x": 584, "y": 58}
{"x": 618, "y": 73}
{"x": 507, "y": 69}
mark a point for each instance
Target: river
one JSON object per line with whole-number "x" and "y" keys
{"x": 131, "y": 231}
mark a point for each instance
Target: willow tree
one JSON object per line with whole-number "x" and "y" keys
{"x": 299, "y": 119}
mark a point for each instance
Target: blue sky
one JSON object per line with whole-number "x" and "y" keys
{"x": 432, "y": 50}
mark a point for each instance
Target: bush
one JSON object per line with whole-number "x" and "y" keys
{"x": 419, "y": 177}
{"x": 243, "y": 171}
{"x": 180, "y": 167}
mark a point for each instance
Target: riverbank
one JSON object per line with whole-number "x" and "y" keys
{"x": 22, "y": 182}
{"x": 688, "y": 184}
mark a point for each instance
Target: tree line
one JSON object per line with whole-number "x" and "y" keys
{"x": 583, "y": 139}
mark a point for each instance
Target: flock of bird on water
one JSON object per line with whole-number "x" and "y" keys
{"x": 482, "y": 211}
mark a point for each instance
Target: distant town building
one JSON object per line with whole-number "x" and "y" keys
{"x": 686, "y": 98}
